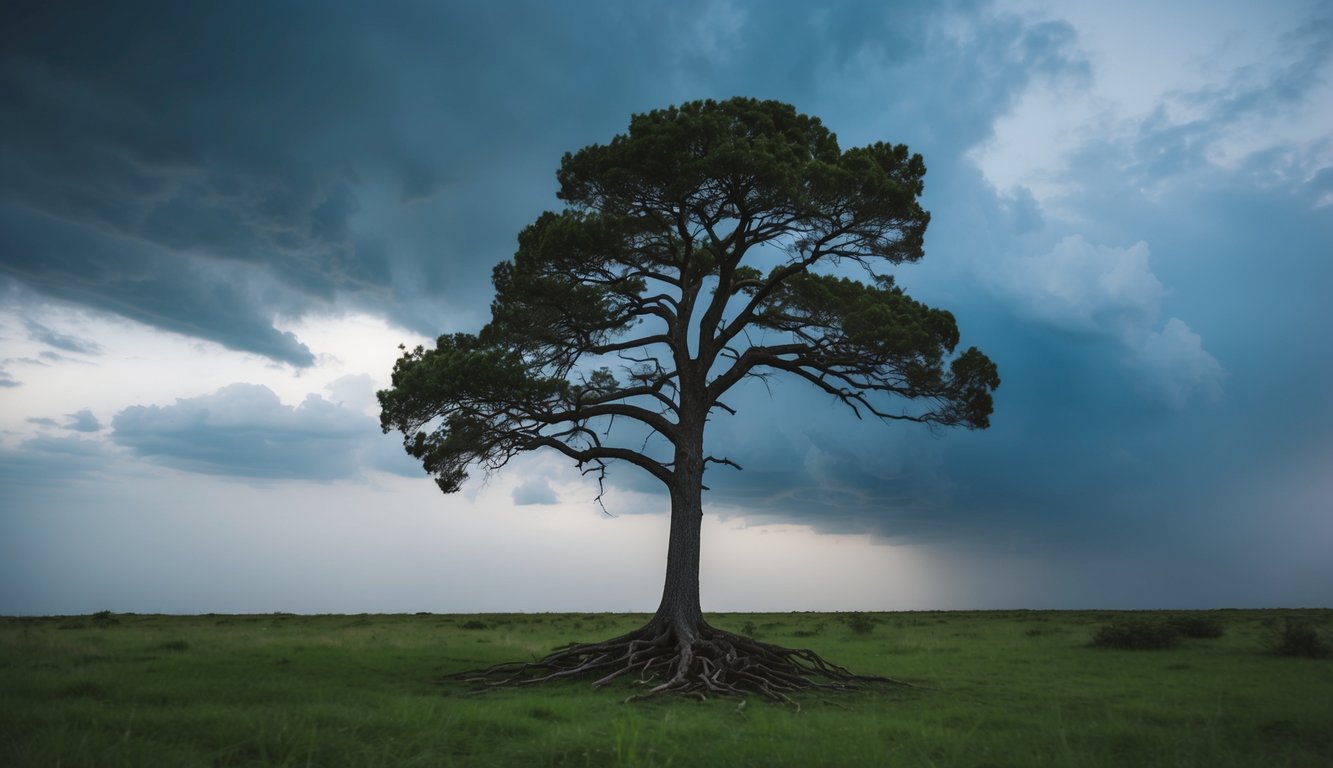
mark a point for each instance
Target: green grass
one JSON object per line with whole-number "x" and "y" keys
{"x": 1018, "y": 688}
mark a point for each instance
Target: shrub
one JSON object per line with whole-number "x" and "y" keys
{"x": 1198, "y": 627}
{"x": 474, "y": 624}
{"x": 1139, "y": 635}
{"x": 859, "y": 623}
{"x": 1295, "y": 638}
{"x": 749, "y": 629}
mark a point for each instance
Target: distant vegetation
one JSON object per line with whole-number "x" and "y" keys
{"x": 1004, "y": 688}
{"x": 1156, "y": 633}
{"x": 1295, "y": 637}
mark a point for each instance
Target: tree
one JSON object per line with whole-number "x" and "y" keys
{"x": 653, "y": 268}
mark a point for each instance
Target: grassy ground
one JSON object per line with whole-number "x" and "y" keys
{"x": 998, "y": 689}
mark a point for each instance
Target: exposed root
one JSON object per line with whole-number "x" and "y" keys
{"x": 697, "y": 660}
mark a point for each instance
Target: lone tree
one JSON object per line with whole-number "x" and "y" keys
{"x": 643, "y": 301}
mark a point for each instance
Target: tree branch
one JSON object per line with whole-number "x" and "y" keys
{"x": 601, "y": 453}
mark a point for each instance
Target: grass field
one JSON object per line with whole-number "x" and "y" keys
{"x": 1014, "y": 688}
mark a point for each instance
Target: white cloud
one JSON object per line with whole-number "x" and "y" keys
{"x": 355, "y": 391}
{"x": 1176, "y": 367}
{"x": 1251, "y": 81}
{"x": 1087, "y": 288}
{"x": 1112, "y": 293}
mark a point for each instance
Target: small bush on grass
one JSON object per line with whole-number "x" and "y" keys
{"x": 474, "y": 624}
{"x": 1139, "y": 635}
{"x": 859, "y": 623}
{"x": 1197, "y": 627}
{"x": 1295, "y": 638}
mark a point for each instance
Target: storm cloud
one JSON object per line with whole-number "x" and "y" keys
{"x": 1151, "y": 277}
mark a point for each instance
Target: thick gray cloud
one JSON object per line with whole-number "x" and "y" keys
{"x": 245, "y": 430}
{"x": 208, "y": 299}
{"x": 47, "y": 460}
{"x": 83, "y": 421}
{"x": 204, "y": 169}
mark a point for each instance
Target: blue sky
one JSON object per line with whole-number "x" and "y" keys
{"x": 219, "y": 220}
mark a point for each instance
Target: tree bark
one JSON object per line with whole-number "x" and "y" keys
{"x": 680, "y": 607}
{"x": 680, "y": 592}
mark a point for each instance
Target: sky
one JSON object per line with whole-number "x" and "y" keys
{"x": 218, "y": 221}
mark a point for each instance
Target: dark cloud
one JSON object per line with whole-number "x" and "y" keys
{"x": 244, "y": 430}
{"x": 160, "y": 149}
{"x": 181, "y": 143}
{"x": 69, "y": 343}
{"x": 216, "y": 301}
{"x": 45, "y": 460}
{"x": 535, "y": 490}
{"x": 83, "y": 421}
{"x": 8, "y": 381}
{"x": 160, "y": 157}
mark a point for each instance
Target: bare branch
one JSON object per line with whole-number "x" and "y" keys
{"x": 599, "y": 453}
{"x": 726, "y": 461}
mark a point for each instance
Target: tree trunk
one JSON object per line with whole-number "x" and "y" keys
{"x": 680, "y": 608}
{"x": 680, "y": 593}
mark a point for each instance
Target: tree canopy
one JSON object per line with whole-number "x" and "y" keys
{"x": 708, "y": 224}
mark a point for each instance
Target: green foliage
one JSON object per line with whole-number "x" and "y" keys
{"x": 1137, "y": 635}
{"x": 1293, "y": 637}
{"x": 878, "y": 333}
{"x": 651, "y": 251}
{"x": 745, "y": 158}
{"x": 461, "y": 382}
